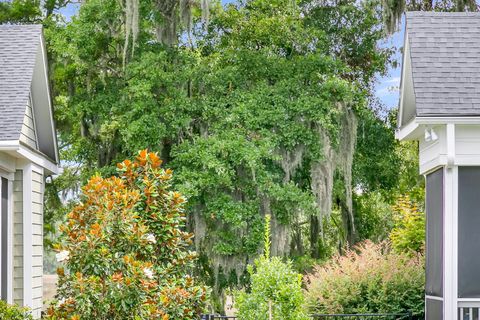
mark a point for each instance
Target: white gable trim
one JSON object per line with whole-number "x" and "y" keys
{"x": 38, "y": 159}
{"x": 407, "y": 109}
{"x": 49, "y": 97}
{"x": 18, "y": 150}
{"x": 402, "y": 81}
{"x": 447, "y": 120}
{"x": 407, "y": 130}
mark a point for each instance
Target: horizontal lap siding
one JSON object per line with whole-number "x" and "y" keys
{"x": 28, "y": 135}
{"x": 37, "y": 241}
{"x": 18, "y": 238}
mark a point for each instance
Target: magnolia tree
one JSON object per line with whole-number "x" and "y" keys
{"x": 124, "y": 252}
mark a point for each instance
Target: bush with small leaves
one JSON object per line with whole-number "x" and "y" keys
{"x": 408, "y": 234}
{"x": 370, "y": 278}
{"x": 13, "y": 312}
{"x": 125, "y": 252}
{"x": 275, "y": 291}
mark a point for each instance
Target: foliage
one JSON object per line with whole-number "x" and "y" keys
{"x": 368, "y": 279}
{"x": 249, "y": 112}
{"x": 374, "y": 216}
{"x": 125, "y": 252}
{"x": 19, "y": 11}
{"x": 275, "y": 291}
{"x": 31, "y": 11}
{"x": 230, "y": 113}
{"x": 13, "y": 312}
{"x": 409, "y": 231}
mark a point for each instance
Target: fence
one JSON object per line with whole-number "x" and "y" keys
{"x": 365, "y": 316}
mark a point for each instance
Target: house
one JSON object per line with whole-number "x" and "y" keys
{"x": 440, "y": 108}
{"x": 28, "y": 154}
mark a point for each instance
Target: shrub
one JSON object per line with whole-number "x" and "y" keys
{"x": 408, "y": 233}
{"x": 275, "y": 292}
{"x": 125, "y": 254}
{"x": 13, "y": 312}
{"x": 371, "y": 278}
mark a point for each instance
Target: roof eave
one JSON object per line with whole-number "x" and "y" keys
{"x": 408, "y": 132}
{"x": 16, "y": 149}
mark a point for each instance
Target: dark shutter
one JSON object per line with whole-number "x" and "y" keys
{"x": 434, "y": 241}
{"x": 469, "y": 232}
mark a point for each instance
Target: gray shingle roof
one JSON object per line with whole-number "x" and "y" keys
{"x": 445, "y": 56}
{"x": 18, "y": 49}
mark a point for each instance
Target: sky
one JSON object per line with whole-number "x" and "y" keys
{"x": 386, "y": 87}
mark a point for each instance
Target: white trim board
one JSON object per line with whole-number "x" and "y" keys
{"x": 450, "y": 119}
{"x": 10, "y": 241}
{"x": 450, "y": 253}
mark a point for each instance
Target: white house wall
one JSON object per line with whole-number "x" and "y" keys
{"x": 433, "y": 153}
{"x": 467, "y": 147}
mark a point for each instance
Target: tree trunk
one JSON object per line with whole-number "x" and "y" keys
{"x": 315, "y": 236}
{"x": 348, "y": 223}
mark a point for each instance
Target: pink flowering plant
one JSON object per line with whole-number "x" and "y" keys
{"x": 124, "y": 252}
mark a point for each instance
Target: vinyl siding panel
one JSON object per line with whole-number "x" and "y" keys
{"x": 37, "y": 242}
{"x": 28, "y": 134}
{"x": 18, "y": 238}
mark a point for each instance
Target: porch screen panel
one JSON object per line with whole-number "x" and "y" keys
{"x": 4, "y": 226}
{"x": 433, "y": 309}
{"x": 468, "y": 232}
{"x": 434, "y": 241}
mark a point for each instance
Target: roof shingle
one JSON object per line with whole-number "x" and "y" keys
{"x": 445, "y": 56}
{"x": 18, "y": 49}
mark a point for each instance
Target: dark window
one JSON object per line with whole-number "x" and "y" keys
{"x": 4, "y": 245}
{"x": 468, "y": 232}
{"x": 434, "y": 241}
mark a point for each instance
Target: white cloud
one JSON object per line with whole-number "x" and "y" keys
{"x": 388, "y": 87}
{"x": 395, "y": 81}
{"x": 383, "y": 92}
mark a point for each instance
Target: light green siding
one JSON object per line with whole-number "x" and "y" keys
{"x": 19, "y": 196}
{"x": 28, "y": 135}
{"x": 18, "y": 238}
{"x": 37, "y": 242}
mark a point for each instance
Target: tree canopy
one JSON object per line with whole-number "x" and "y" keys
{"x": 262, "y": 107}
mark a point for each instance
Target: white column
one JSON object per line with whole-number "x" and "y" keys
{"x": 10, "y": 241}
{"x": 450, "y": 250}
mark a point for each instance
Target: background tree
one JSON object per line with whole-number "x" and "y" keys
{"x": 267, "y": 109}
{"x": 259, "y": 114}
